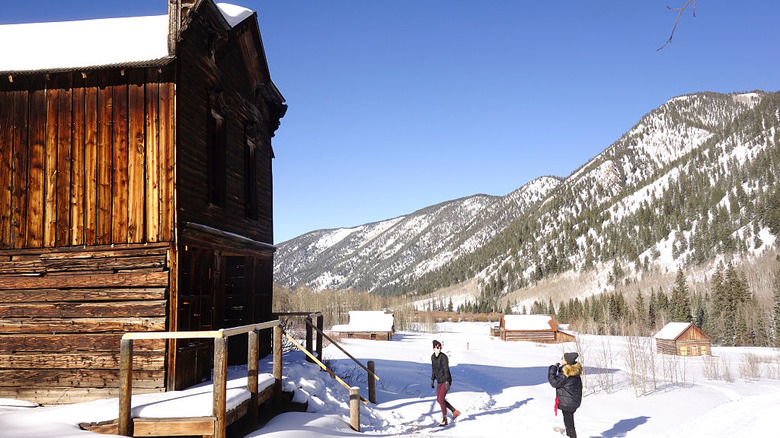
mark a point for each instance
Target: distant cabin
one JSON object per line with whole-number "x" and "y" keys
{"x": 135, "y": 195}
{"x": 536, "y": 328}
{"x": 376, "y": 325}
{"x": 683, "y": 339}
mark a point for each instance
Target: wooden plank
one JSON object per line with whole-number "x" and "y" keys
{"x": 167, "y": 161}
{"x": 36, "y": 173}
{"x": 72, "y": 265}
{"x": 105, "y": 161}
{"x": 60, "y": 295}
{"x": 90, "y": 160}
{"x": 83, "y": 310}
{"x": 203, "y": 426}
{"x": 94, "y": 361}
{"x": 64, "y": 395}
{"x": 150, "y": 279}
{"x": 119, "y": 193}
{"x": 153, "y": 164}
{"x": 64, "y": 155}
{"x": 50, "y": 184}
{"x": 78, "y": 378}
{"x": 78, "y": 186}
{"x": 20, "y": 162}
{"x": 6, "y": 152}
{"x": 136, "y": 144}
{"x": 73, "y": 342}
{"x": 81, "y": 325}
{"x": 117, "y": 250}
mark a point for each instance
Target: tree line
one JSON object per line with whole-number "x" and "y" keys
{"x": 728, "y": 311}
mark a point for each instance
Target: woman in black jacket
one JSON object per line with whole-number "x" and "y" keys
{"x": 567, "y": 382}
{"x": 440, "y": 372}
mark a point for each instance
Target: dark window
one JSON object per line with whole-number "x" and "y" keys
{"x": 216, "y": 157}
{"x": 250, "y": 180}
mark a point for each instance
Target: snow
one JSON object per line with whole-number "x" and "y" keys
{"x": 528, "y": 322}
{"x": 367, "y": 321}
{"x": 672, "y": 330}
{"x": 92, "y": 43}
{"x": 500, "y": 387}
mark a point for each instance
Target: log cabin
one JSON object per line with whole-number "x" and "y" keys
{"x": 367, "y": 324}
{"x": 683, "y": 339}
{"x": 135, "y": 195}
{"x": 536, "y": 328}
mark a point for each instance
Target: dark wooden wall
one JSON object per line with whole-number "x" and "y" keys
{"x": 86, "y": 158}
{"x": 63, "y": 312}
{"x": 228, "y": 83}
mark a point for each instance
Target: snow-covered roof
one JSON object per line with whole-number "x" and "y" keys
{"x": 367, "y": 321}
{"x": 672, "y": 330}
{"x": 92, "y": 43}
{"x": 529, "y": 322}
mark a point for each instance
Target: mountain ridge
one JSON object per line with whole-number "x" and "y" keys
{"x": 638, "y": 184}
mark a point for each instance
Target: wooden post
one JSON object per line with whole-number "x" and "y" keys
{"x": 251, "y": 367}
{"x": 319, "y": 336}
{"x": 277, "y": 361}
{"x": 354, "y": 408}
{"x": 309, "y": 343}
{"x": 371, "y": 383}
{"x": 125, "y": 422}
{"x": 220, "y": 386}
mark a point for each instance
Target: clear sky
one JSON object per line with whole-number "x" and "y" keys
{"x": 398, "y": 105}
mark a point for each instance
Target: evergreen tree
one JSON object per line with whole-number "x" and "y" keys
{"x": 776, "y": 309}
{"x": 680, "y": 305}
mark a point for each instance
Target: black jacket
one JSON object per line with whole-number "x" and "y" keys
{"x": 440, "y": 368}
{"x": 568, "y": 385}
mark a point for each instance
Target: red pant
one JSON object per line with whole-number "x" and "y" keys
{"x": 441, "y": 392}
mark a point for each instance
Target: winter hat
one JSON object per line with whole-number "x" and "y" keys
{"x": 570, "y": 357}
{"x": 436, "y": 343}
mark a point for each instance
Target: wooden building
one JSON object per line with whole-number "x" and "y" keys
{"x": 135, "y": 195}
{"x": 536, "y": 328}
{"x": 367, "y": 324}
{"x": 683, "y": 339}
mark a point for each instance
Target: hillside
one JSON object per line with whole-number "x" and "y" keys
{"x": 686, "y": 185}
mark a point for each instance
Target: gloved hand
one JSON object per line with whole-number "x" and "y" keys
{"x": 431, "y": 383}
{"x": 447, "y": 385}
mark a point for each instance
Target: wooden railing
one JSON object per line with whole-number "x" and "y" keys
{"x": 125, "y": 423}
{"x": 309, "y": 332}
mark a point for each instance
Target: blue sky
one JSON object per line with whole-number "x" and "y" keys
{"x": 398, "y": 105}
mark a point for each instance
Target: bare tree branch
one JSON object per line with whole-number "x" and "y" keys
{"x": 681, "y": 10}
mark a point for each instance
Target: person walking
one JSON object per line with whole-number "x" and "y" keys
{"x": 440, "y": 373}
{"x": 565, "y": 378}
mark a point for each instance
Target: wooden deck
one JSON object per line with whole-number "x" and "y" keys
{"x": 182, "y": 426}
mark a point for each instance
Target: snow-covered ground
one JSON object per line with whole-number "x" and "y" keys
{"x": 501, "y": 388}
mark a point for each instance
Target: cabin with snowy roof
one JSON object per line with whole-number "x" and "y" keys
{"x": 135, "y": 195}
{"x": 683, "y": 339}
{"x": 376, "y": 325}
{"x": 536, "y": 328}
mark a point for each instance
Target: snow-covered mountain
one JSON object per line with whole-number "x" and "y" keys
{"x": 686, "y": 184}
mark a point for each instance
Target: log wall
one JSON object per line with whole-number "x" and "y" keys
{"x": 87, "y": 158}
{"x": 63, "y": 312}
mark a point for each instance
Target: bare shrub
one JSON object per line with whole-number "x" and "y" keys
{"x": 711, "y": 368}
{"x": 773, "y": 367}
{"x": 750, "y": 367}
{"x": 726, "y": 371}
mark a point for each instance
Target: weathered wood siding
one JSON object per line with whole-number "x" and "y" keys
{"x": 63, "y": 311}
{"x": 86, "y": 158}
{"x": 229, "y": 84}
{"x": 544, "y": 336}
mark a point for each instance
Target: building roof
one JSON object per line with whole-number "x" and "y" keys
{"x": 529, "y": 322}
{"x": 367, "y": 321}
{"x": 68, "y": 45}
{"x": 672, "y": 330}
